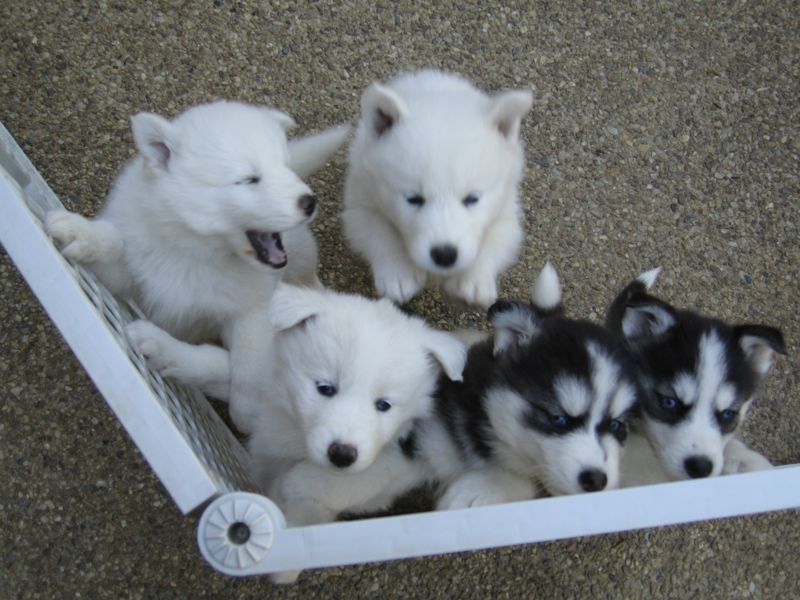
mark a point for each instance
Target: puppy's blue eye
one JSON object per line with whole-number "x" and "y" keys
{"x": 326, "y": 389}
{"x": 615, "y": 425}
{"x": 416, "y": 200}
{"x": 727, "y": 415}
{"x": 249, "y": 180}
{"x": 669, "y": 403}
{"x": 558, "y": 420}
{"x": 382, "y": 405}
{"x": 470, "y": 200}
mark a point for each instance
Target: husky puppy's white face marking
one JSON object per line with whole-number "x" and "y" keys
{"x": 699, "y": 377}
{"x": 223, "y": 170}
{"x": 691, "y": 444}
{"x": 356, "y": 372}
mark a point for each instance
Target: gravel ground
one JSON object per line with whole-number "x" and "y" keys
{"x": 669, "y": 137}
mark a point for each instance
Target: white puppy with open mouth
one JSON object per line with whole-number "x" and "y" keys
{"x": 207, "y": 218}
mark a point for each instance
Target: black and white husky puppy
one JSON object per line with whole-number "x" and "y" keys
{"x": 543, "y": 402}
{"x": 698, "y": 377}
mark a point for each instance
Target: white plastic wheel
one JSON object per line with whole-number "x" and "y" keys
{"x": 237, "y": 530}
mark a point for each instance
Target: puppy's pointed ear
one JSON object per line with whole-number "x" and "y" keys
{"x": 292, "y": 305}
{"x": 645, "y": 316}
{"x": 507, "y": 110}
{"x": 633, "y": 293}
{"x": 514, "y": 325}
{"x": 759, "y": 343}
{"x": 381, "y": 108}
{"x": 154, "y": 137}
{"x": 448, "y": 351}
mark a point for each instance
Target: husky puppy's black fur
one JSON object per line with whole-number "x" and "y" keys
{"x": 698, "y": 376}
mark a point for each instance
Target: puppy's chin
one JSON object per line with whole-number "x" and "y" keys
{"x": 356, "y": 467}
{"x": 559, "y": 490}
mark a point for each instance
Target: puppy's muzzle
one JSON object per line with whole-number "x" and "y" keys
{"x": 307, "y": 204}
{"x": 698, "y": 466}
{"x": 342, "y": 455}
{"x": 592, "y": 480}
{"x": 444, "y": 256}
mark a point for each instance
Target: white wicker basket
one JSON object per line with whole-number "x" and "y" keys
{"x": 200, "y": 462}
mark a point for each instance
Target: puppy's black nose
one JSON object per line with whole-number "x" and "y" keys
{"x": 307, "y": 204}
{"x": 698, "y": 466}
{"x": 342, "y": 455}
{"x": 444, "y": 256}
{"x": 592, "y": 480}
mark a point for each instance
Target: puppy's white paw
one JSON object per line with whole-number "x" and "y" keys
{"x": 399, "y": 286}
{"x": 285, "y": 577}
{"x": 485, "y": 488}
{"x": 470, "y": 499}
{"x": 155, "y": 344}
{"x": 742, "y": 459}
{"x": 73, "y": 233}
{"x": 474, "y": 289}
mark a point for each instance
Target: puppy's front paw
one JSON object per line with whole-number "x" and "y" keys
{"x": 399, "y": 286}
{"x": 744, "y": 460}
{"x": 73, "y": 233}
{"x": 469, "y": 499}
{"x": 154, "y": 344}
{"x": 473, "y": 289}
{"x": 481, "y": 488}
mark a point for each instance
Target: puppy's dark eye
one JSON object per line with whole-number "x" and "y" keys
{"x": 669, "y": 403}
{"x": 326, "y": 389}
{"x": 470, "y": 200}
{"x": 382, "y": 405}
{"x": 666, "y": 407}
{"x": 416, "y": 200}
{"x": 619, "y": 429}
{"x": 252, "y": 180}
{"x": 727, "y": 420}
{"x": 559, "y": 421}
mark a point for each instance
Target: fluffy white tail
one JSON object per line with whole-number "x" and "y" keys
{"x": 648, "y": 278}
{"x": 546, "y": 293}
{"x": 308, "y": 154}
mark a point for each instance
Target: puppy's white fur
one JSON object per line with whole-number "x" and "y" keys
{"x": 369, "y": 352}
{"x": 455, "y": 152}
{"x": 172, "y": 235}
{"x": 365, "y": 350}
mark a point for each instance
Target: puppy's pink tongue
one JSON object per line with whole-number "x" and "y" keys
{"x": 274, "y": 245}
{"x": 268, "y": 247}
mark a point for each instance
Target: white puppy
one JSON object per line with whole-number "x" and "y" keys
{"x": 200, "y": 226}
{"x": 349, "y": 378}
{"x": 431, "y": 190}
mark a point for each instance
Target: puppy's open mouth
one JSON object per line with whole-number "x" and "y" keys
{"x": 268, "y": 247}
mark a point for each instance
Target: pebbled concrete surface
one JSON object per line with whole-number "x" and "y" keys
{"x": 669, "y": 137}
